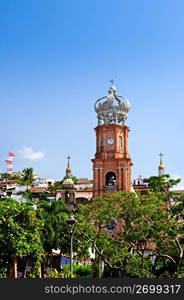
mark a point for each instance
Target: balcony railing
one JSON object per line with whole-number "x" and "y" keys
{"x": 110, "y": 188}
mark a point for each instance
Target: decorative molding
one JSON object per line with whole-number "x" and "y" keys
{"x": 124, "y": 168}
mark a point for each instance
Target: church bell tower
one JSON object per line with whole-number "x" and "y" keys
{"x": 68, "y": 188}
{"x": 112, "y": 163}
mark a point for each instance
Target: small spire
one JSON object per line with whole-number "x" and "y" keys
{"x": 68, "y": 169}
{"x": 161, "y": 155}
{"x": 112, "y": 81}
{"x": 161, "y": 166}
{"x": 68, "y": 164}
{"x": 68, "y": 182}
{"x": 112, "y": 88}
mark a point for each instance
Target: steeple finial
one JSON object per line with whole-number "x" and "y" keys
{"x": 161, "y": 167}
{"x": 161, "y": 155}
{"x": 68, "y": 182}
{"x": 68, "y": 164}
{"x": 112, "y": 81}
{"x": 68, "y": 169}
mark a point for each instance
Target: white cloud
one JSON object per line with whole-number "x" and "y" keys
{"x": 29, "y": 153}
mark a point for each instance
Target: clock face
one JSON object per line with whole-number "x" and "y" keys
{"x": 110, "y": 141}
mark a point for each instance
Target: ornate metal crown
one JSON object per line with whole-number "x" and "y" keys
{"x": 112, "y": 109}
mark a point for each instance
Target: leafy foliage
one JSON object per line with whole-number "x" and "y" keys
{"x": 27, "y": 177}
{"x": 147, "y": 240}
{"x": 145, "y": 228}
{"x": 54, "y": 187}
{"x": 53, "y": 216}
{"x": 79, "y": 271}
{"x": 162, "y": 183}
{"x": 19, "y": 233}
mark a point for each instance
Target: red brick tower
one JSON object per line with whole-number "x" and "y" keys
{"x": 112, "y": 163}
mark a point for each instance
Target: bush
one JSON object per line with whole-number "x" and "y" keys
{"x": 81, "y": 271}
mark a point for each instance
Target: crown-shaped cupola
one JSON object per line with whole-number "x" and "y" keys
{"x": 112, "y": 109}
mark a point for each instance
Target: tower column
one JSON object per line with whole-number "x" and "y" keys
{"x": 101, "y": 181}
{"x": 126, "y": 141}
{"x": 98, "y": 181}
{"x": 124, "y": 178}
{"x": 116, "y": 141}
{"x": 129, "y": 178}
{"x": 120, "y": 184}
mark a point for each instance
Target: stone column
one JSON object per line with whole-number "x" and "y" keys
{"x": 101, "y": 181}
{"x": 116, "y": 141}
{"x": 129, "y": 178}
{"x": 126, "y": 129}
{"x": 96, "y": 140}
{"x": 95, "y": 183}
{"x": 119, "y": 179}
{"x": 123, "y": 172}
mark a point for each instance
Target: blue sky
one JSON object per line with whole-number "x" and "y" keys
{"x": 56, "y": 59}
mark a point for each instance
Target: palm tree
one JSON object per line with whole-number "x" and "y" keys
{"x": 27, "y": 177}
{"x": 54, "y": 187}
{"x": 54, "y": 232}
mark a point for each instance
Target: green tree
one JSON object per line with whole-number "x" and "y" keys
{"x": 27, "y": 177}
{"x": 162, "y": 183}
{"x": 54, "y": 187}
{"x": 142, "y": 222}
{"x": 163, "y": 186}
{"x": 19, "y": 234}
{"x": 54, "y": 233}
{"x": 75, "y": 179}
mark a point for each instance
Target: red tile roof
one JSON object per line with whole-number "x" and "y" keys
{"x": 38, "y": 189}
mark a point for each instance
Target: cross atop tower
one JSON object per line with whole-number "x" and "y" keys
{"x": 161, "y": 155}
{"x": 161, "y": 167}
{"x": 68, "y": 164}
{"x": 112, "y": 81}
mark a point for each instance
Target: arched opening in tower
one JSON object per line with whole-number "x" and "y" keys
{"x": 110, "y": 178}
{"x": 67, "y": 196}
